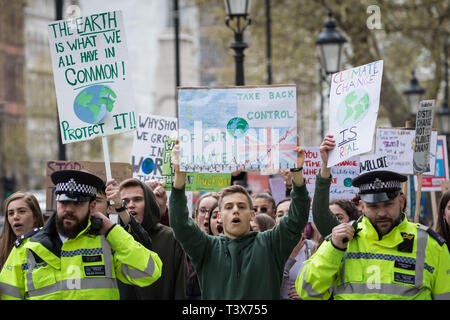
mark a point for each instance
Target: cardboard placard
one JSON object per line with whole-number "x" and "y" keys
{"x": 148, "y": 145}
{"x": 195, "y": 181}
{"x": 398, "y": 146}
{"x": 433, "y": 183}
{"x": 422, "y": 140}
{"x": 354, "y": 102}
{"x": 235, "y": 128}
{"x": 90, "y": 68}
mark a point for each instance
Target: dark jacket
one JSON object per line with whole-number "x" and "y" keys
{"x": 160, "y": 238}
{"x": 248, "y": 267}
{"x": 324, "y": 219}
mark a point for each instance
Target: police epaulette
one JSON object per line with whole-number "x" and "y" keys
{"x": 26, "y": 235}
{"x": 436, "y": 236}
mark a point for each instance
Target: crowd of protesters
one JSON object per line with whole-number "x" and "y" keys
{"x": 236, "y": 245}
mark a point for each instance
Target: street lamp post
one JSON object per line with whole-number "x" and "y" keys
{"x": 239, "y": 10}
{"x": 413, "y": 94}
{"x": 330, "y": 42}
{"x": 176, "y": 26}
{"x": 268, "y": 43}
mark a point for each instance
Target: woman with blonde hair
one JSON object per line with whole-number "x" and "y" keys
{"x": 22, "y": 213}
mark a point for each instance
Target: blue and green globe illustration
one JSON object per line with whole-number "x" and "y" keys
{"x": 148, "y": 166}
{"x": 91, "y": 104}
{"x": 237, "y": 127}
{"x": 353, "y": 108}
{"x": 348, "y": 182}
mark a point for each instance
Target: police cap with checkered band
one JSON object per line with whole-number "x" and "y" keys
{"x": 73, "y": 185}
{"x": 379, "y": 186}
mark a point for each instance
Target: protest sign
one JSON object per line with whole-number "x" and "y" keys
{"x": 421, "y": 157}
{"x": 342, "y": 174}
{"x": 92, "y": 81}
{"x": 424, "y": 123}
{"x": 417, "y": 203}
{"x": 148, "y": 145}
{"x": 373, "y": 162}
{"x": 258, "y": 183}
{"x": 195, "y": 181}
{"x": 209, "y": 181}
{"x": 167, "y": 169}
{"x": 120, "y": 172}
{"x": 398, "y": 146}
{"x": 433, "y": 183}
{"x": 354, "y": 102}
{"x": 277, "y": 188}
{"x": 235, "y": 128}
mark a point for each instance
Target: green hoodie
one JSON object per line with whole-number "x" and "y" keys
{"x": 324, "y": 219}
{"x": 248, "y": 267}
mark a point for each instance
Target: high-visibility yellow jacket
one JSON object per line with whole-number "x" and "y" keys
{"x": 85, "y": 267}
{"x": 410, "y": 262}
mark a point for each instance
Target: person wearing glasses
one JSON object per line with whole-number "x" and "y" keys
{"x": 264, "y": 203}
{"x": 203, "y": 207}
{"x": 202, "y": 218}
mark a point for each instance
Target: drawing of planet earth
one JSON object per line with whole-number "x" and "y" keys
{"x": 348, "y": 182}
{"x": 93, "y": 102}
{"x": 353, "y": 108}
{"x": 148, "y": 166}
{"x": 237, "y": 127}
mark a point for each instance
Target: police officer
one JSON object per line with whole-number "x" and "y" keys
{"x": 72, "y": 257}
{"x": 380, "y": 256}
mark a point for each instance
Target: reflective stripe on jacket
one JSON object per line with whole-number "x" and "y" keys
{"x": 87, "y": 268}
{"x": 373, "y": 268}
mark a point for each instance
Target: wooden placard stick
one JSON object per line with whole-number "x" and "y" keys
{"x": 418, "y": 194}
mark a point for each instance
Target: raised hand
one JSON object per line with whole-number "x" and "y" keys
{"x": 179, "y": 178}
{"x": 112, "y": 193}
{"x": 341, "y": 232}
{"x": 297, "y": 176}
{"x": 160, "y": 194}
{"x": 327, "y": 144}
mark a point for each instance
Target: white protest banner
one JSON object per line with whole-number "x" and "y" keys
{"x": 373, "y": 162}
{"x": 277, "y": 188}
{"x": 398, "y": 146}
{"x": 148, "y": 145}
{"x": 433, "y": 183}
{"x": 342, "y": 175}
{"x": 93, "y": 86}
{"x": 422, "y": 140}
{"x": 233, "y": 128}
{"x": 354, "y": 102}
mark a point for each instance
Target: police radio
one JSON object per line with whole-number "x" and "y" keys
{"x": 354, "y": 224}
{"x": 96, "y": 225}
